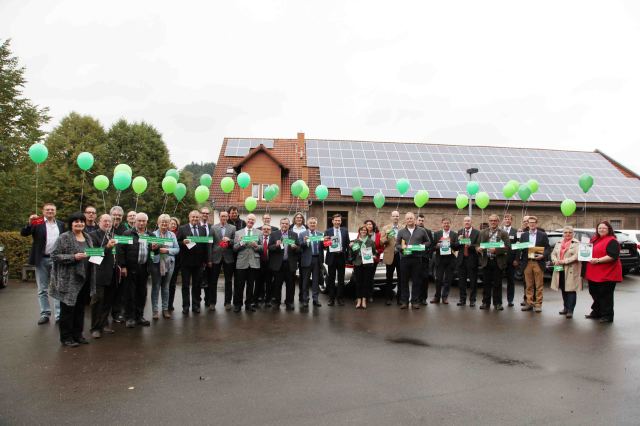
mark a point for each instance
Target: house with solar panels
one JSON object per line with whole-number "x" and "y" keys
{"x": 442, "y": 170}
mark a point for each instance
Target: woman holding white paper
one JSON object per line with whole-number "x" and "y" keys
{"x": 566, "y": 270}
{"x": 163, "y": 263}
{"x": 363, "y": 249}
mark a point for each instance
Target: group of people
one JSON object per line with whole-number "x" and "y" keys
{"x": 108, "y": 261}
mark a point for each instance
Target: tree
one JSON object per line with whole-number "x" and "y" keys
{"x": 198, "y": 169}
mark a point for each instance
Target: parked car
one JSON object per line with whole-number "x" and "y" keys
{"x": 4, "y": 268}
{"x": 634, "y": 235}
{"x": 628, "y": 248}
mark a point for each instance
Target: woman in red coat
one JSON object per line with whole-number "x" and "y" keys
{"x": 604, "y": 270}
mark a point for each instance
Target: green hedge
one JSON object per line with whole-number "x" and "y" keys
{"x": 16, "y": 249}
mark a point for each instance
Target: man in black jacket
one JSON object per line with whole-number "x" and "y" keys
{"x": 335, "y": 259}
{"x": 193, "y": 257}
{"x": 264, "y": 280}
{"x": 426, "y": 256}
{"x": 467, "y": 262}
{"x": 410, "y": 242}
{"x": 283, "y": 263}
{"x": 117, "y": 308}
{"x": 511, "y": 257}
{"x": 446, "y": 245}
{"x": 532, "y": 261}
{"x": 234, "y": 218}
{"x": 44, "y": 231}
{"x": 105, "y": 287}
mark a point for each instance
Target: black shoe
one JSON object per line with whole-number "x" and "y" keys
{"x": 289, "y": 307}
{"x": 340, "y": 302}
{"x": 331, "y": 302}
{"x": 499, "y": 307}
{"x": 70, "y": 343}
{"x": 119, "y": 319}
{"x": 424, "y": 302}
{"x": 130, "y": 324}
{"x": 404, "y": 306}
{"x": 267, "y": 305}
{"x": 592, "y": 316}
{"x": 563, "y": 312}
{"x": 526, "y": 308}
{"x": 43, "y": 320}
{"x": 305, "y": 305}
{"x": 185, "y": 311}
{"x": 82, "y": 340}
{"x": 171, "y": 309}
{"x": 143, "y": 322}
{"x": 484, "y": 306}
{"x": 435, "y": 301}
{"x": 196, "y": 309}
{"x": 510, "y": 304}
{"x": 389, "y": 302}
{"x": 523, "y": 303}
{"x": 472, "y": 304}
{"x": 317, "y": 304}
{"x": 415, "y": 306}
{"x": 605, "y": 319}
{"x": 236, "y": 309}
{"x": 461, "y": 303}
{"x": 250, "y": 308}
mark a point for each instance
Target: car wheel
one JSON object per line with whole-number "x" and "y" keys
{"x": 4, "y": 279}
{"x": 323, "y": 281}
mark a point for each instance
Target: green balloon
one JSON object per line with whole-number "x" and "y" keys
{"x": 123, "y": 168}
{"x": 201, "y": 194}
{"x": 304, "y": 193}
{"x": 250, "y": 204}
{"x": 206, "y": 180}
{"x": 378, "y": 200}
{"x": 38, "y": 153}
{"x": 482, "y": 200}
{"x": 509, "y": 190}
{"x": 322, "y": 192}
{"x": 421, "y": 198}
{"x": 243, "y": 180}
{"x": 169, "y": 184}
{"x": 568, "y": 207}
{"x": 85, "y": 160}
{"x": 296, "y": 187}
{"x": 473, "y": 187}
{"x": 462, "y": 201}
{"x": 227, "y": 184}
{"x": 402, "y": 185}
{"x": 357, "y": 193}
{"x": 121, "y": 181}
{"x": 173, "y": 173}
{"x": 533, "y": 185}
{"x": 585, "y": 182}
{"x": 139, "y": 185}
{"x": 101, "y": 182}
{"x": 269, "y": 193}
{"x": 276, "y": 189}
{"x": 514, "y": 183}
{"x": 524, "y": 192}
{"x": 180, "y": 192}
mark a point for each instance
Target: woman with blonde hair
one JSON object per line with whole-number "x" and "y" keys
{"x": 566, "y": 270}
{"x": 163, "y": 263}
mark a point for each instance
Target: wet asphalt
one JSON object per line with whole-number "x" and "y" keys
{"x": 329, "y": 366}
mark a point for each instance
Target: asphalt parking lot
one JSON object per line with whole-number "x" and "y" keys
{"x": 329, "y": 366}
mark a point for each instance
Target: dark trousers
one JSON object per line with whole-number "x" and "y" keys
{"x": 511, "y": 280}
{"x": 412, "y": 269}
{"x": 227, "y": 269}
{"x": 264, "y": 284}
{"x": 245, "y": 278}
{"x": 117, "y": 308}
{"x": 336, "y": 268}
{"x": 311, "y": 276}
{"x": 492, "y": 283}
{"x": 602, "y": 294}
{"x": 468, "y": 268}
{"x": 101, "y": 306}
{"x": 135, "y": 291}
{"x": 72, "y": 316}
{"x": 191, "y": 277}
{"x": 280, "y": 276}
{"x": 207, "y": 284}
{"x": 364, "y": 280}
{"x": 172, "y": 284}
{"x": 424, "y": 286}
{"x": 444, "y": 276}
{"x": 394, "y": 267}
{"x": 568, "y": 297}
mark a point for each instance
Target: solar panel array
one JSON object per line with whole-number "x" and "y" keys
{"x": 241, "y": 147}
{"x": 441, "y": 170}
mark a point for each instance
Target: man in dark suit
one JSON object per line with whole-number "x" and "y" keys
{"x": 221, "y": 257}
{"x": 410, "y": 243}
{"x": 532, "y": 262}
{"x": 426, "y": 255}
{"x": 117, "y": 307}
{"x": 446, "y": 245}
{"x": 311, "y": 260}
{"x": 207, "y": 269}
{"x": 335, "y": 258}
{"x": 511, "y": 257}
{"x": 102, "y": 300}
{"x": 44, "y": 232}
{"x": 264, "y": 280}
{"x": 266, "y": 220}
{"x": 193, "y": 256}
{"x": 283, "y": 264}
{"x": 493, "y": 261}
{"x": 467, "y": 262}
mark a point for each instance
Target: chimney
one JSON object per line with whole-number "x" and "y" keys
{"x": 300, "y": 145}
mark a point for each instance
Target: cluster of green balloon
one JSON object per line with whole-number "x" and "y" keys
{"x": 243, "y": 180}
{"x": 585, "y": 182}
{"x": 402, "y": 185}
{"x": 357, "y": 193}
{"x": 473, "y": 187}
{"x": 227, "y": 184}
{"x": 180, "y": 192}
{"x": 250, "y": 203}
{"x": 510, "y": 189}
{"x": 322, "y": 192}
{"x": 482, "y": 200}
{"x": 421, "y": 198}
{"x": 85, "y": 161}
{"x": 300, "y": 189}
{"x": 38, "y": 153}
{"x": 568, "y": 207}
{"x": 462, "y": 201}
{"x": 271, "y": 192}
{"x": 378, "y": 200}
{"x": 206, "y": 180}
{"x": 173, "y": 173}
{"x": 122, "y": 177}
{"x": 201, "y": 194}
{"x": 169, "y": 184}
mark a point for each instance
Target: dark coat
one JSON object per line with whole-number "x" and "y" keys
{"x": 276, "y": 253}
{"x": 453, "y": 237}
{"x": 420, "y": 236}
{"x": 39, "y": 235}
{"x": 69, "y": 275}
{"x": 104, "y": 271}
{"x": 306, "y": 251}
{"x": 502, "y": 254}
{"x": 474, "y": 236}
{"x": 541, "y": 241}
{"x": 195, "y": 256}
{"x": 218, "y": 254}
{"x": 344, "y": 236}
{"x": 127, "y": 256}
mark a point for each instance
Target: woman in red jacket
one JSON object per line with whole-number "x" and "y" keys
{"x": 604, "y": 270}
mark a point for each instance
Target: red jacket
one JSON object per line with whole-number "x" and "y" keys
{"x": 603, "y": 272}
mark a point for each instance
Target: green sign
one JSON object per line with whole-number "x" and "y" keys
{"x": 195, "y": 239}
{"x": 94, "y": 251}
{"x": 490, "y": 245}
{"x": 250, "y": 238}
{"x": 123, "y": 239}
{"x": 558, "y": 268}
{"x": 288, "y": 241}
{"x": 416, "y": 247}
{"x": 465, "y": 241}
{"x": 406, "y": 251}
{"x": 519, "y": 246}
{"x": 156, "y": 240}
{"x": 316, "y": 238}
{"x": 355, "y": 247}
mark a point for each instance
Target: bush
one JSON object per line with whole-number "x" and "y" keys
{"x": 16, "y": 249}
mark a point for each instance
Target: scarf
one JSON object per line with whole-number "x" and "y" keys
{"x": 564, "y": 247}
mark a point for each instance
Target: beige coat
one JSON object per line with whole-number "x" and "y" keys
{"x": 572, "y": 270}
{"x": 389, "y": 244}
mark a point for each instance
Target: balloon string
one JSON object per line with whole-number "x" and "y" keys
{"x": 37, "y": 168}
{"x": 175, "y": 208}
{"x": 164, "y": 205}
{"x": 118, "y": 198}
{"x": 82, "y": 191}
{"x": 136, "y": 207}
{"x": 104, "y": 203}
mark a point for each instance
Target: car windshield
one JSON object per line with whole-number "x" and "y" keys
{"x": 553, "y": 239}
{"x": 621, "y": 236}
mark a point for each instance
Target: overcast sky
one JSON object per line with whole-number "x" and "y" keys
{"x": 554, "y": 74}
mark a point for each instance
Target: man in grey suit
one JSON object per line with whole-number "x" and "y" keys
{"x": 221, "y": 257}
{"x": 311, "y": 261}
{"x": 247, "y": 264}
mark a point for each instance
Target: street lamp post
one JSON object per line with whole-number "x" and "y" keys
{"x": 471, "y": 172}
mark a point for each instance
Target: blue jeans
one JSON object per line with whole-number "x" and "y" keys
{"x": 43, "y": 272}
{"x": 160, "y": 284}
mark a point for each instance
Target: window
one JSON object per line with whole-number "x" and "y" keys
{"x": 255, "y": 190}
{"x": 264, "y": 188}
{"x": 616, "y": 223}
